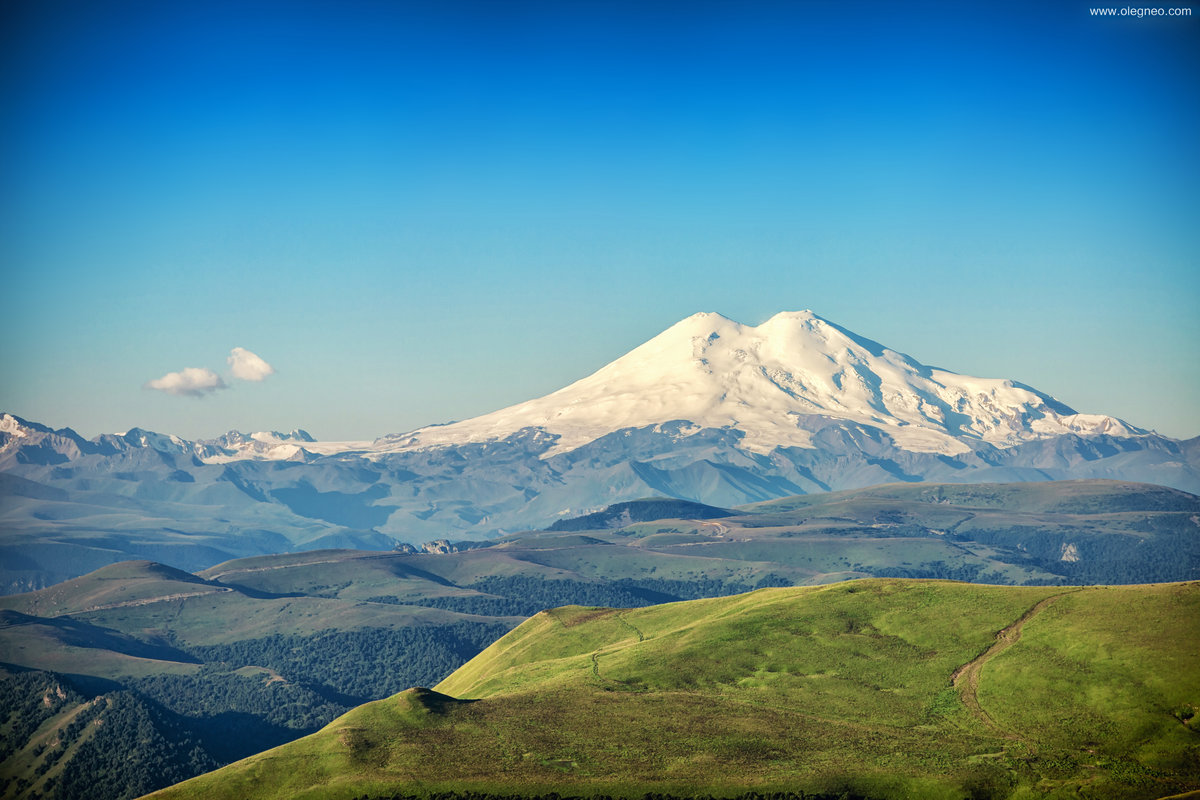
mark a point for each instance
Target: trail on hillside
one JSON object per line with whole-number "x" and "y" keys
{"x": 631, "y": 626}
{"x": 596, "y": 655}
{"x": 247, "y": 570}
{"x": 146, "y": 601}
{"x": 966, "y": 678}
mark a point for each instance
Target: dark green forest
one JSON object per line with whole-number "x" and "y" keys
{"x": 139, "y": 735}
{"x": 119, "y": 744}
{"x": 352, "y": 667}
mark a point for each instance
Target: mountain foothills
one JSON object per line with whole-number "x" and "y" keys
{"x": 709, "y": 411}
{"x": 879, "y": 688}
{"x": 139, "y": 675}
{"x": 181, "y": 672}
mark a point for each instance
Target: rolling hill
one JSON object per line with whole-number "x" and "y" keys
{"x": 167, "y": 673}
{"x": 880, "y": 688}
{"x": 255, "y": 652}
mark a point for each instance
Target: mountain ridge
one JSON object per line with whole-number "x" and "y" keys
{"x": 921, "y": 407}
{"x": 792, "y": 406}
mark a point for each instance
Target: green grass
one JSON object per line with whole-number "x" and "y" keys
{"x": 1010, "y": 534}
{"x": 1121, "y": 712}
{"x": 842, "y": 687}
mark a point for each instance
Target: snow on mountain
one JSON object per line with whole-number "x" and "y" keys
{"x": 40, "y": 443}
{"x": 163, "y": 443}
{"x": 768, "y": 382}
{"x": 709, "y": 411}
{"x": 300, "y": 435}
{"x": 298, "y": 445}
{"x": 13, "y": 425}
{"x": 774, "y": 385}
{"x": 26, "y": 441}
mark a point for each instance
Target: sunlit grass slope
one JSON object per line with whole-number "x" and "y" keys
{"x": 888, "y": 688}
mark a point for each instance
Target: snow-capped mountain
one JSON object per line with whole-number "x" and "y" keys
{"x": 773, "y": 385}
{"x": 710, "y": 411}
{"x": 766, "y": 382}
{"x": 299, "y": 445}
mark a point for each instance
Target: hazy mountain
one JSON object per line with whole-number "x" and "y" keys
{"x": 709, "y": 411}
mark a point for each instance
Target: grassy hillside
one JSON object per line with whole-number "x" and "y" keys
{"x": 884, "y": 688}
{"x": 170, "y": 674}
{"x": 257, "y": 651}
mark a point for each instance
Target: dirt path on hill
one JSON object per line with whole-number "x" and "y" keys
{"x": 966, "y": 678}
{"x": 146, "y": 601}
{"x": 631, "y": 626}
{"x": 248, "y": 570}
{"x": 613, "y": 647}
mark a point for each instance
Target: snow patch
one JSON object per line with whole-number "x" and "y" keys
{"x": 12, "y": 426}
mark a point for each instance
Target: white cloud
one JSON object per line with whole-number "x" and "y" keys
{"x": 191, "y": 382}
{"x": 247, "y": 366}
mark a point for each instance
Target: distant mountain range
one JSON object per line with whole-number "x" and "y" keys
{"x": 709, "y": 411}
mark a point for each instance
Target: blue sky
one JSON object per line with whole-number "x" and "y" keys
{"x": 418, "y": 212}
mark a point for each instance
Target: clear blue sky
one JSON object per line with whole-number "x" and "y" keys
{"x": 418, "y": 212}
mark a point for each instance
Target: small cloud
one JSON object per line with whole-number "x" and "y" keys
{"x": 190, "y": 382}
{"x": 247, "y": 366}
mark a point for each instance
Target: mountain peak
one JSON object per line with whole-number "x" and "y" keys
{"x": 804, "y": 315}
{"x": 775, "y": 384}
{"x": 164, "y": 443}
{"x": 16, "y": 426}
{"x": 701, "y": 324}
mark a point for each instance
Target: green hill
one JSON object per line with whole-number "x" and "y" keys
{"x": 645, "y": 510}
{"x": 258, "y": 651}
{"x": 876, "y": 688}
{"x": 156, "y": 675}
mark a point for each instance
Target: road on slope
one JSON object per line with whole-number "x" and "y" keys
{"x": 966, "y": 678}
